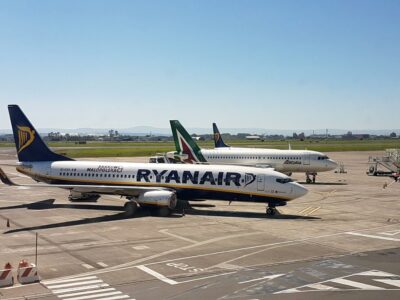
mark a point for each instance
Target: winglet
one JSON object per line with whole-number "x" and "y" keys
{"x": 5, "y": 179}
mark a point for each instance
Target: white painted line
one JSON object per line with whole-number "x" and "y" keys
{"x": 81, "y": 288}
{"x": 101, "y": 264}
{"x": 97, "y": 296}
{"x": 391, "y": 232}
{"x": 206, "y": 277}
{"x": 270, "y": 277}
{"x": 321, "y": 287}
{"x": 375, "y": 273}
{"x": 314, "y": 210}
{"x": 165, "y": 231}
{"x": 87, "y": 266}
{"x": 393, "y": 282}
{"x": 86, "y": 293}
{"x": 355, "y": 284}
{"x": 48, "y": 282}
{"x": 57, "y": 286}
{"x": 373, "y": 236}
{"x": 115, "y": 297}
{"x": 141, "y": 247}
{"x": 157, "y": 275}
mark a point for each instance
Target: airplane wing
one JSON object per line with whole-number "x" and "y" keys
{"x": 96, "y": 189}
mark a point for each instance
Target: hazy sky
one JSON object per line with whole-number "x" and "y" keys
{"x": 271, "y": 64}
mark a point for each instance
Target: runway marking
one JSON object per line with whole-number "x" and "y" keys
{"x": 65, "y": 285}
{"x": 392, "y": 233}
{"x": 141, "y": 247}
{"x": 270, "y": 277}
{"x": 82, "y": 288}
{"x": 351, "y": 284}
{"x": 165, "y": 231}
{"x": 308, "y": 210}
{"x": 101, "y": 264}
{"x": 374, "y": 236}
{"x": 389, "y": 282}
{"x": 207, "y": 277}
{"x": 87, "y": 266}
{"x": 134, "y": 264}
{"x": 356, "y": 284}
{"x": 157, "y": 275}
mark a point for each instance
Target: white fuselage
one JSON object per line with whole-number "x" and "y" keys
{"x": 193, "y": 181}
{"x": 287, "y": 161}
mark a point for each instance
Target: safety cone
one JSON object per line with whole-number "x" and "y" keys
{"x": 8, "y": 223}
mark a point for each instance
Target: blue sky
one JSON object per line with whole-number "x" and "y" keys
{"x": 269, "y": 64}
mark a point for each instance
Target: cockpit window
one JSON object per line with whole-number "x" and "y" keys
{"x": 284, "y": 180}
{"x": 324, "y": 157}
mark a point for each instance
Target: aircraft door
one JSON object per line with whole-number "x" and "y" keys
{"x": 306, "y": 160}
{"x": 260, "y": 182}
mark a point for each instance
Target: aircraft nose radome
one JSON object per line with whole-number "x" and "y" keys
{"x": 332, "y": 164}
{"x": 299, "y": 190}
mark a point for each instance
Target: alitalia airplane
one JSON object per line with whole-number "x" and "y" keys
{"x": 144, "y": 184}
{"x": 285, "y": 161}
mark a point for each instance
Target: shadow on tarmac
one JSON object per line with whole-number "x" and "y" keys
{"x": 323, "y": 183}
{"x": 49, "y": 204}
{"x": 251, "y": 215}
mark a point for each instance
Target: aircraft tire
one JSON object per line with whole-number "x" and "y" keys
{"x": 270, "y": 211}
{"x": 130, "y": 209}
{"x": 164, "y": 211}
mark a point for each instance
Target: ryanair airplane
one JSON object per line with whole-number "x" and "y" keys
{"x": 285, "y": 161}
{"x": 145, "y": 185}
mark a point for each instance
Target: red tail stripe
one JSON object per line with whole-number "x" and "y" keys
{"x": 26, "y": 272}
{"x": 4, "y": 274}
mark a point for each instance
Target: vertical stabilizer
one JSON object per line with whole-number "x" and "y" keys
{"x": 185, "y": 144}
{"x": 29, "y": 144}
{"x": 218, "y": 141}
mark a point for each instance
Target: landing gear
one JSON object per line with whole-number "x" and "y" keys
{"x": 164, "y": 211}
{"x": 308, "y": 179}
{"x": 130, "y": 209}
{"x": 271, "y": 210}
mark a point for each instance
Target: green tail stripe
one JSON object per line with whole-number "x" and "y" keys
{"x": 176, "y": 128}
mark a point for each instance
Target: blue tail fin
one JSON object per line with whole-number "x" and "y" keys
{"x": 29, "y": 144}
{"x": 219, "y": 143}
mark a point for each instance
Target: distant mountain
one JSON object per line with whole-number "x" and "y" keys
{"x": 146, "y": 130}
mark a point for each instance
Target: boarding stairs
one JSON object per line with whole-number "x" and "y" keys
{"x": 385, "y": 165}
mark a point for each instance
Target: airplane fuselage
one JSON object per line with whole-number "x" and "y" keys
{"x": 188, "y": 181}
{"x": 287, "y": 161}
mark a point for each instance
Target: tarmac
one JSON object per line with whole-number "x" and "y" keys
{"x": 340, "y": 241}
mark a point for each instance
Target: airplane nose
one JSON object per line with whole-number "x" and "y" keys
{"x": 331, "y": 164}
{"x": 298, "y": 190}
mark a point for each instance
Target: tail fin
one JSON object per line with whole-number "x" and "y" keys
{"x": 218, "y": 142}
{"x": 29, "y": 144}
{"x": 184, "y": 143}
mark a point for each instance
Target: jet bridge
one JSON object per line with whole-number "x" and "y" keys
{"x": 385, "y": 165}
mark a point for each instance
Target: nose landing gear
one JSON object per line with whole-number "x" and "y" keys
{"x": 308, "y": 179}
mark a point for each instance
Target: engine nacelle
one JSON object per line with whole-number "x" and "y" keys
{"x": 158, "y": 198}
{"x": 78, "y": 196}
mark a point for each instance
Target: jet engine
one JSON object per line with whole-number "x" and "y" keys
{"x": 158, "y": 198}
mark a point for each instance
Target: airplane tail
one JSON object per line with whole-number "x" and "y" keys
{"x": 185, "y": 144}
{"x": 218, "y": 142}
{"x": 29, "y": 144}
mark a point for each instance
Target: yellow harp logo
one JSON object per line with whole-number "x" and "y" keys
{"x": 25, "y": 137}
{"x": 216, "y": 136}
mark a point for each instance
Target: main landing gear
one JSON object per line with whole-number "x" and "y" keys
{"x": 271, "y": 210}
{"x": 308, "y": 179}
{"x": 131, "y": 208}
